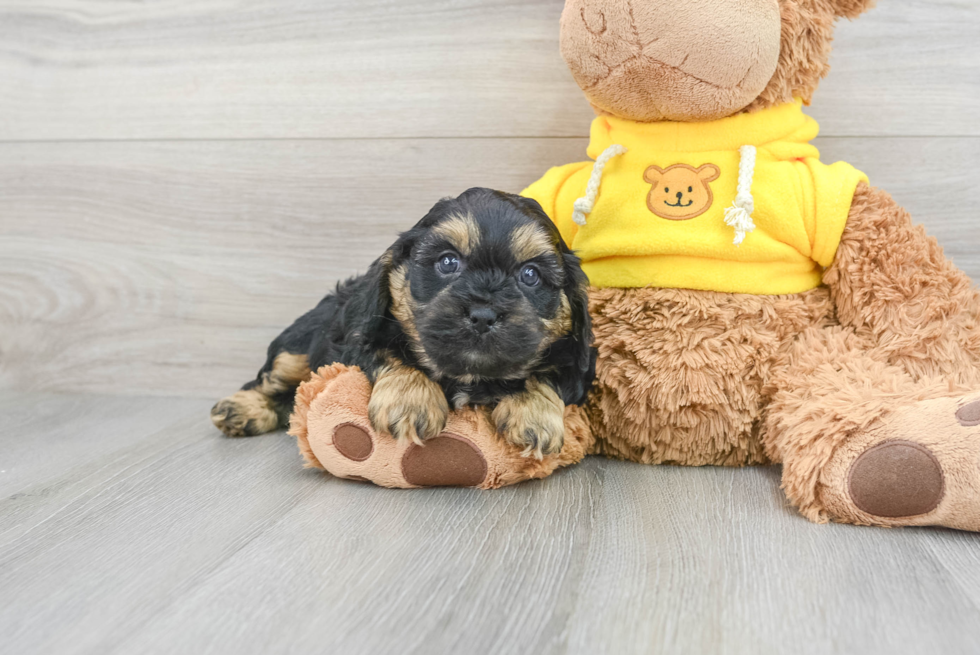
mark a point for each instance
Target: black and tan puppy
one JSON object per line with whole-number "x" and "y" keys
{"x": 480, "y": 303}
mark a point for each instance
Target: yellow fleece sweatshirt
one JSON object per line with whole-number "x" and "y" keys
{"x": 658, "y": 214}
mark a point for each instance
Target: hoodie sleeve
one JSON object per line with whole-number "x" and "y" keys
{"x": 551, "y": 192}
{"x": 833, "y": 187}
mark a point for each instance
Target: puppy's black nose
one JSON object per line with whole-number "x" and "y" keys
{"x": 482, "y": 319}
{"x": 680, "y": 194}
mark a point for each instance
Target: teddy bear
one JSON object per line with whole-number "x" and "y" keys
{"x": 752, "y": 304}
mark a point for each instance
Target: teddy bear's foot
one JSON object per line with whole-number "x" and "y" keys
{"x": 331, "y": 424}
{"x": 919, "y": 466}
{"x": 448, "y": 460}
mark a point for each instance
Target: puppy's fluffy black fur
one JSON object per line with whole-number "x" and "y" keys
{"x": 482, "y": 295}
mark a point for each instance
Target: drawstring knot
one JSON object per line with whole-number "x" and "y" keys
{"x": 739, "y": 215}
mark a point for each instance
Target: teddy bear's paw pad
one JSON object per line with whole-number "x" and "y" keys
{"x": 445, "y": 461}
{"x": 969, "y": 415}
{"x": 898, "y": 479}
{"x": 353, "y": 442}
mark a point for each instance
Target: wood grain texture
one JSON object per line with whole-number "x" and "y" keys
{"x": 214, "y": 69}
{"x": 173, "y": 539}
{"x": 167, "y": 268}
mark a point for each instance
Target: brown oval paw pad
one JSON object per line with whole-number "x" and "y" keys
{"x": 445, "y": 461}
{"x": 353, "y": 442}
{"x": 896, "y": 479}
{"x": 969, "y": 415}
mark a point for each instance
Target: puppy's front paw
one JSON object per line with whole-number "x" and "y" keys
{"x": 406, "y": 404}
{"x": 533, "y": 420}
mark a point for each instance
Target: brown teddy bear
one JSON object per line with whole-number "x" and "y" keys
{"x": 751, "y": 304}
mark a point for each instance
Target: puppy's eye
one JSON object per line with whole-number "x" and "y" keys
{"x": 448, "y": 264}
{"x": 530, "y": 276}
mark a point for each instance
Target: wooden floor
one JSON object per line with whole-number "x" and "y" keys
{"x": 128, "y": 527}
{"x": 179, "y": 180}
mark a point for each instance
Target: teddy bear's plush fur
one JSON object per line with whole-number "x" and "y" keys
{"x": 865, "y": 388}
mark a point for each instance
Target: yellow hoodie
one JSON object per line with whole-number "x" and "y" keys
{"x": 738, "y": 205}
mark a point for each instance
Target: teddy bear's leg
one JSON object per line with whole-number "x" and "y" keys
{"x": 862, "y": 442}
{"x": 334, "y": 433}
{"x": 878, "y": 421}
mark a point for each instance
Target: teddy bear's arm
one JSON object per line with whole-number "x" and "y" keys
{"x": 555, "y": 196}
{"x": 892, "y": 283}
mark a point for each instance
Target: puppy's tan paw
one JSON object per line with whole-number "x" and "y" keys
{"x": 406, "y": 404}
{"x": 533, "y": 420}
{"x": 245, "y": 414}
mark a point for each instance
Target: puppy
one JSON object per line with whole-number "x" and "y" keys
{"x": 481, "y": 303}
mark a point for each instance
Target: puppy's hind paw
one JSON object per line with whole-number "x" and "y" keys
{"x": 532, "y": 420}
{"x": 245, "y": 414}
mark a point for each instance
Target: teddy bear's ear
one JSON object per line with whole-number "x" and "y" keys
{"x": 709, "y": 173}
{"x": 851, "y": 8}
{"x": 653, "y": 175}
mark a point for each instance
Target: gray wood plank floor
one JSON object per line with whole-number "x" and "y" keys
{"x": 179, "y": 180}
{"x": 138, "y": 531}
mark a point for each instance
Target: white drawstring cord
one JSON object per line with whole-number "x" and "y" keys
{"x": 584, "y": 206}
{"x": 739, "y": 215}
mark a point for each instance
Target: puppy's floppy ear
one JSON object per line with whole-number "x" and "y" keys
{"x": 373, "y": 304}
{"x": 577, "y": 379}
{"x": 576, "y": 288}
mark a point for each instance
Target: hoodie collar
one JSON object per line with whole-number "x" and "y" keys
{"x": 785, "y": 122}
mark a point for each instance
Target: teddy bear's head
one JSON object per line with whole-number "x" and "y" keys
{"x": 698, "y": 60}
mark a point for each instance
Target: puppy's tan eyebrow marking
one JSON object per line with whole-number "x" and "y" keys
{"x": 461, "y": 231}
{"x": 530, "y": 241}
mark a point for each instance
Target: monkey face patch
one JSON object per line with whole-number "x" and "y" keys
{"x": 681, "y": 192}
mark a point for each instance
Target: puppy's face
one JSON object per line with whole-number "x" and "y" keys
{"x": 482, "y": 286}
